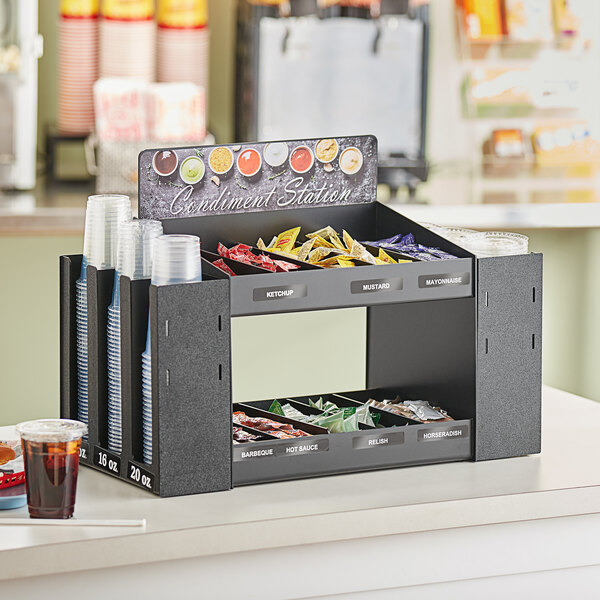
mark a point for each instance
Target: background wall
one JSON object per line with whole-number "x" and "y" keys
{"x": 29, "y": 265}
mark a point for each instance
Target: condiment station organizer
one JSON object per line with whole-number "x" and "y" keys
{"x": 459, "y": 332}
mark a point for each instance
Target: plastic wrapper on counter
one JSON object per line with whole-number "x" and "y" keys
{"x": 273, "y": 428}
{"x": 405, "y": 244}
{"x": 244, "y": 254}
{"x": 417, "y": 410}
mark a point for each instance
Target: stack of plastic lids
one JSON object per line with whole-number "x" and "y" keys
{"x": 134, "y": 260}
{"x": 457, "y": 235}
{"x": 183, "y": 41}
{"x": 104, "y": 215}
{"x": 128, "y": 39}
{"x": 497, "y": 243}
{"x": 77, "y": 65}
{"x": 176, "y": 259}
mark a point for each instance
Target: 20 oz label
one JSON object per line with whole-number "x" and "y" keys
{"x": 139, "y": 476}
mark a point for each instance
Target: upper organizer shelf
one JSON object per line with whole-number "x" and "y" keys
{"x": 250, "y": 194}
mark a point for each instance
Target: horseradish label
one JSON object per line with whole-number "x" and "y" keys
{"x": 438, "y": 435}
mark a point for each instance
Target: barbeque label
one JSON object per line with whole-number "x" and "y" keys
{"x": 257, "y": 177}
{"x": 107, "y": 461}
{"x": 281, "y": 292}
{"x": 140, "y": 476}
{"x": 363, "y": 442}
{"x": 439, "y": 435}
{"x": 429, "y": 281}
{"x": 367, "y": 286}
{"x": 250, "y": 451}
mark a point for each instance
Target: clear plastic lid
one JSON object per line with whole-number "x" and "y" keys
{"x": 136, "y": 243}
{"x": 176, "y": 259}
{"x": 52, "y": 430}
{"x": 497, "y": 243}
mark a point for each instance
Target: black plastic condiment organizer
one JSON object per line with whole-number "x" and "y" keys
{"x": 463, "y": 333}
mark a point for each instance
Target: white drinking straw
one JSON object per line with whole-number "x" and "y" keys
{"x": 76, "y": 522}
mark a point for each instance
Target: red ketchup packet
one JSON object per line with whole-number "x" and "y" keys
{"x": 243, "y": 253}
{"x": 220, "y": 264}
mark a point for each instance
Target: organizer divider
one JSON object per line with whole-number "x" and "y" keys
{"x": 134, "y": 328}
{"x": 70, "y": 271}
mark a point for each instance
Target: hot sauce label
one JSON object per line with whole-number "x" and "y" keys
{"x": 182, "y": 14}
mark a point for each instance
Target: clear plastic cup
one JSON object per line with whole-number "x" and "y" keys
{"x": 51, "y": 454}
{"x": 497, "y": 243}
{"x": 104, "y": 214}
{"x": 136, "y": 245}
{"x": 176, "y": 260}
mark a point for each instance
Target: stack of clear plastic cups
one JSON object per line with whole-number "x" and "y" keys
{"x": 176, "y": 259}
{"x": 497, "y": 243}
{"x": 104, "y": 214}
{"x": 134, "y": 260}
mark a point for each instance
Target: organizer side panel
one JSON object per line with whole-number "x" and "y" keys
{"x": 509, "y": 356}
{"x": 191, "y": 373}
{"x": 70, "y": 269}
{"x": 99, "y": 295}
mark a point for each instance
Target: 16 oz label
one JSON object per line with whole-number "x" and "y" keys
{"x": 107, "y": 461}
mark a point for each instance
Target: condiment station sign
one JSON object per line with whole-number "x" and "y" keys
{"x": 217, "y": 180}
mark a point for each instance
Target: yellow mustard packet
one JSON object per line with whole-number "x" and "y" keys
{"x": 286, "y": 240}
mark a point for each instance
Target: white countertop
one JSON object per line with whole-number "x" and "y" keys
{"x": 563, "y": 481}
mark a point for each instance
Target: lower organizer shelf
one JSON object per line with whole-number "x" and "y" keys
{"x": 396, "y": 442}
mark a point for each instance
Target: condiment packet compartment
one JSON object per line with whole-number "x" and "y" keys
{"x": 253, "y": 411}
{"x": 339, "y": 288}
{"x": 400, "y": 442}
{"x": 239, "y": 268}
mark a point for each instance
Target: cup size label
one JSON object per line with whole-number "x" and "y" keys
{"x": 107, "y": 461}
{"x": 281, "y": 292}
{"x": 362, "y": 442}
{"x": 439, "y": 435}
{"x": 140, "y": 476}
{"x": 84, "y": 452}
{"x": 304, "y": 445}
{"x": 368, "y": 286}
{"x": 444, "y": 279}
